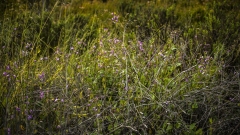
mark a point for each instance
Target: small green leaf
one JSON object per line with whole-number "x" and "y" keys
{"x": 169, "y": 127}
{"x": 153, "y": 97}
{"x": 178, "y": 125}
{"x": 173, "y": 48}
{"x": 192, "y": 126}
{"x": 165, "y": 124}
{"x": 199, "y": 132}
{"x": 194, "y": 105}
{"x": 210, "y": 120}
{"x": 178, "y": 64}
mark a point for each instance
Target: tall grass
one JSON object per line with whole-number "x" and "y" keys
{"x": 121, "y": 67}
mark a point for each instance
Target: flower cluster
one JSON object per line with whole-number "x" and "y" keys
{"x": 115, "y": 17}
{"x": 140, "y": 45}
{"x": 204, "y": 61}
{"x": 43, "y": 58}
{"x": 28, "y": 45}
{"x": 18, "y": 109}
{"x": 9, "y": 73}
{"x": 29, "y": 114}
{"x": 42, "y": 76}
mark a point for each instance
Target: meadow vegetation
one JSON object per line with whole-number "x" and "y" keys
{"x": 120, "y": 67}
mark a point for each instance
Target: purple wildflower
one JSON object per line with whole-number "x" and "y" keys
{"x": 8, "y": 67}
{"x": 116, "y": 40}
{"x": 94, "y": 108}
{"x": 18, "y": 109}
{"x": 55, "y": 100}
{"x": 112, "y": 52}
{"x": 31, "y": 111}
{"x": 58, "y": 126}
{"x": 9, "y": 131}
{"x": 29, "y": 117}
{"x": 41, "y": 94}
{"x": 115, "y": 18}
{"x": 42, "y": 76}
{"x": 28, "y": 45}
{"x": 100, "y": 43}
{"x": 5, "y": 74}
{"x": 140, "y": 45}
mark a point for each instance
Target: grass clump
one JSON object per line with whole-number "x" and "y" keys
{"x": 120, "y": 67}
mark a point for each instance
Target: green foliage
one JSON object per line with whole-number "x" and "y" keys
{"x": 120, "y": 67}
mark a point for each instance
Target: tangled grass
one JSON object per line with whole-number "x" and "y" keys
{"x": 89, "y": 68}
